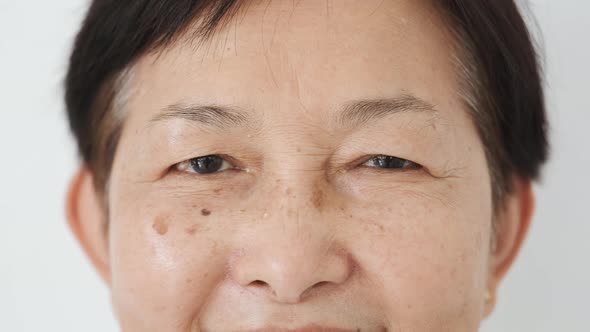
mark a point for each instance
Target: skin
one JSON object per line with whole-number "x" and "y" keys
{"x": 298, "y": 231}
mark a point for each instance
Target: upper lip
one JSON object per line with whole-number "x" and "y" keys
{"x": 307, "y": 328}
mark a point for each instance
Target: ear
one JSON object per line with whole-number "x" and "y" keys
{"x": 87, "y": 220}
{"x": 512, "y": 224}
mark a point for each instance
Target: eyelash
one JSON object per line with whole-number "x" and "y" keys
{"x": 221, "y": 161}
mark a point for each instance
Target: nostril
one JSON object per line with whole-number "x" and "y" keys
{"x": 320, "y": 284}
{"x": 262, "y": 285}
{"x": 258, "y": 283}
{"x": 315, "y": 288}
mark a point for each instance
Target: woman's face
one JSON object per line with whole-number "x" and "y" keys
{"x": 345, "y": 184}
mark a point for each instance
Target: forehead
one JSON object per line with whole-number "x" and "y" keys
{"x": 305, "y": 55}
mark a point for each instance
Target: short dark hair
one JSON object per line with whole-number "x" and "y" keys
{"x": 499, "y": 67}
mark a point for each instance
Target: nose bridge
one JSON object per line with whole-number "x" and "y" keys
{"x": 298, "y": 212}
{"x": 304, "y": 191}
{"x": 298, "y": 229}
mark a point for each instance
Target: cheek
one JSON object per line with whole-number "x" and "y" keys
{"x": 165, "y": 258}
{"x": 427, "y": 257}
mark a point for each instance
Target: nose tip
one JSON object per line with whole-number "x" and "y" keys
{"x": 291, "y": 277}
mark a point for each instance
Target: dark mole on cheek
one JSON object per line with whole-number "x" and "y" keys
{"x": 205, "y": 212}
{"x": 160, "y": 225}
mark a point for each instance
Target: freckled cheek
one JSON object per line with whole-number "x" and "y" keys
{"x": 165, "y": 259}
{"x": 416, "y": 248}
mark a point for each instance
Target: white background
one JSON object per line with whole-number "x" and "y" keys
{"x": 46, "y": 284}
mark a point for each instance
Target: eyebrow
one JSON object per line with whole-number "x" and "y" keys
{"x": 360, "y": 112}
{"x": 211, "y": 115}
{"x": 354, "y": 113}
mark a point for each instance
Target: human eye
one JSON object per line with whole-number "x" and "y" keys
{"x": 204, "y": 165}
{"x": 391, "y": 162}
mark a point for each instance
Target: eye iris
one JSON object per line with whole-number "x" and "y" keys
{"x": 389, "y": 162}
{"x": 206, "y": 164}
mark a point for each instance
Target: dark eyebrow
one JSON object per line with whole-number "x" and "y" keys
{"x": 211, "y": 115}
{"x": 359, "y": 112}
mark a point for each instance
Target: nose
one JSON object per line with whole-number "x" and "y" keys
{"x": 289, "y": 274}
{"x": 292, "y": 255}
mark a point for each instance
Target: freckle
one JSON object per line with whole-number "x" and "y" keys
{"x": 243, "y": 210}
{"x": 205, "y": 275}
{"x": 205, "y": 212}
{"x": 189, "y": 280}
{"x": 160, "y": 225}
{"x": 298, "y": 149}
{"x": 317, "y": 198}
{"x": 291, "y": 213}
{"x": 191, "y": 230}
{"x": 288, "y": 191}
{"x": 218, "y": 190}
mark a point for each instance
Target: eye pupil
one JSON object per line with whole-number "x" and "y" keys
{"x": 206, "y": 164}
{"x": 389, "y": 162}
